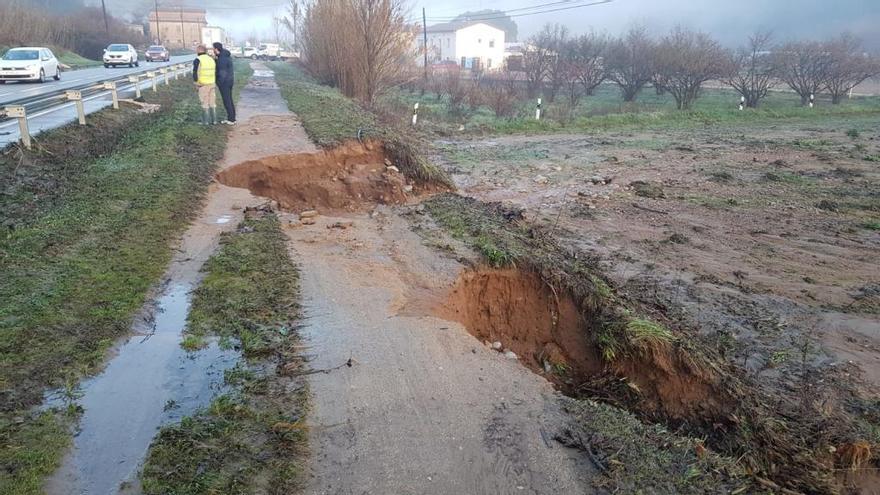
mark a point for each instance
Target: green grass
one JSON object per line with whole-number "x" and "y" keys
{"x": 89, "y": 219}
{"x": 871, "y": 225}
{"x": 250, "y": 440}
{"x": 606, "y": 111}
{"x": 76, "y": 61}
{"x": 331, "y": 119}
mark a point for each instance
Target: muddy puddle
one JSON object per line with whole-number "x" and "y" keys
{"x": 352, "y": 177}
{"x": 150, "y": 382}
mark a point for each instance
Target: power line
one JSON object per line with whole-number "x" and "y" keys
{"x": 505, "y": 15}
{"x": 533, "y": 7}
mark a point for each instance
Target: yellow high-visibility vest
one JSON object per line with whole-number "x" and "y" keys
{"x": 207, "y": 70}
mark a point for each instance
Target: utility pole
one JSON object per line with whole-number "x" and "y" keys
{"x": 106, "y": 24}
{"x": 158, "y": 30}
{"x": 425, "y": 38}
{"x": 182, "y": 29}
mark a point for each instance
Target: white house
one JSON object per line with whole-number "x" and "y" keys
{"x": 471, "y": 45}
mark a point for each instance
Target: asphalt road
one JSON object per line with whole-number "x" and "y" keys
{"x": 15, "y": 90}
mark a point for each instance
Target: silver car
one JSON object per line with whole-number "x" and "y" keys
{"x": 120, "y": 54}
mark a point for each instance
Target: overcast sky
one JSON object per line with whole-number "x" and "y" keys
{"x": 729, "y": 20}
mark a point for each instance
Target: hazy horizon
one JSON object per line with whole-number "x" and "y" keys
{"x": 730, "y": 23}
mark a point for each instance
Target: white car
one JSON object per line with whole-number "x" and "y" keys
{"x": 120, "y": 54}
{"x": 29, "y": 64}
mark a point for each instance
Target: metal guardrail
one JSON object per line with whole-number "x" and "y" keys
{"x": 25, "y": 108}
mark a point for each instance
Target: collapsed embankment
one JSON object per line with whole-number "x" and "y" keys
{"x": 351, "y": 177}
{"x": 552, "y": 307}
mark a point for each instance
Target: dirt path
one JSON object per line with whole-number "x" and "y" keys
{"x": 124, "y": 405}
{"x": 425, "y": 408}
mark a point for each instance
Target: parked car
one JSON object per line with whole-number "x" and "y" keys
{"x": 157, "y": 53}
{"x": 268, "y": 51}
{"x": 120, "y": 54}
{"x": 244, "y": 52}
{"x": 29, "y": 64}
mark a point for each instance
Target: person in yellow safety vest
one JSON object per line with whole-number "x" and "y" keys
{"x": 205, "y": 77}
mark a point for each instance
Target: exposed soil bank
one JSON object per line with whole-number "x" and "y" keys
{"x": 553, "y": 336}
{"x": 350, "y": 177}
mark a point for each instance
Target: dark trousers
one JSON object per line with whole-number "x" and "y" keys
{"x": 226, "y": 94}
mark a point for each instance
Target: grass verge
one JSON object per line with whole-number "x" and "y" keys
{"x": 330, "y": 119}
{"x": 88, "y": 220}
{"x": 250, "y": 440}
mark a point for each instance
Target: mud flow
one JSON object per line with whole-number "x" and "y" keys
{"x": 351, "y": 177}
{"x": 554, "y": 336}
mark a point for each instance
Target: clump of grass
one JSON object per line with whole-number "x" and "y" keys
{"x": 251, "y": 440}
{"x": 853, "y": 133}
{"x": 643, "y": 332}
{"x": 871, "y": 224}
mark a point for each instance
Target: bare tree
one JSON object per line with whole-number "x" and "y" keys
{"x": 848, "y": 66}
{"x": 588, "y": 61}
{"x": 360, "y": 46}
{"x": 686, "y": 59}
{"x": 537, "y": 57}
{"x": 803, "y": 66}
{"x": 501, "y": 94}
{"x": 291, "y": 21}
{"x": 752, "y": 72}
{"x": 558, "y": 63}
{"x": 630, "y": 62}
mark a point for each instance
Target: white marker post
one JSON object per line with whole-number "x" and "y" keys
{"x": 415, "y": 118}
{"x": 538, "y": 110}
{"x": 742, "y": 103}
{"x": 812, "y": 99}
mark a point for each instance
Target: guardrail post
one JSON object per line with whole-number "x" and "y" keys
{"x": 176, "y": 70}
{"x": 164, "y": 72}
{"x": 19, "y": 112}
{"x": 76, "y": 96}
{"x": 152, "y": 75}
{"x": 137, "y": 84}
{"x": 112, "y": 87}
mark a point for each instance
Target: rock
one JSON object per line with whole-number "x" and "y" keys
{"x": 407, "y": 188}
{"x": 597, "y": 179}
{"x": 340, "y": 225}
{"x": 497, "y": 346}
{"x": 308, "y": 221}
{"x": 510, "y": 355}
{"x": 540, "y": 179}
{"x": 388, "y": 163}
{"x": 308, "y": 214}
{"x": 392, "y": 168}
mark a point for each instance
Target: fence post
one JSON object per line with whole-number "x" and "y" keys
{"x": 137, "y": 85}
{"x": 538, "y": 110}
{"x": 76, "y": 97}
{"x": 19, "y": 112}
{"x": 152, "y": 75}
{"x": 415, "y": 118}
{"x": 176, "y": 70}
{"x": 112, "y": 87}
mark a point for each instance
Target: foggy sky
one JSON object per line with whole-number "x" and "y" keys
{"x": 730, "y": 21}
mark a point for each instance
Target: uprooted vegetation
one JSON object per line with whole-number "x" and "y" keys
{"x": 251, "y": 439}
{"x": 633, "y": 356}
{"x": 331, "y": 120}
{"x": 349, "y": 177}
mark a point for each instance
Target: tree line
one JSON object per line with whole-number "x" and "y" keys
{"x": 681, "y": 62}
{"x": 75, "y": 28}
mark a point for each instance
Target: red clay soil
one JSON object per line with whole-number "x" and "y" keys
{"x": 350, "y": 177}
{"x": 548, "y": 333}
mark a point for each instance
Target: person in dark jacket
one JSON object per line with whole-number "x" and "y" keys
{"x": 225, "y": 81}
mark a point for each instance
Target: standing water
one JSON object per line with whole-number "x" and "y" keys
{"x": 151, "y": 382}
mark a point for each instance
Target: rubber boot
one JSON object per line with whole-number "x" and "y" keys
{"x": 205, "y": 116}
{"x": 213, "y": 116}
